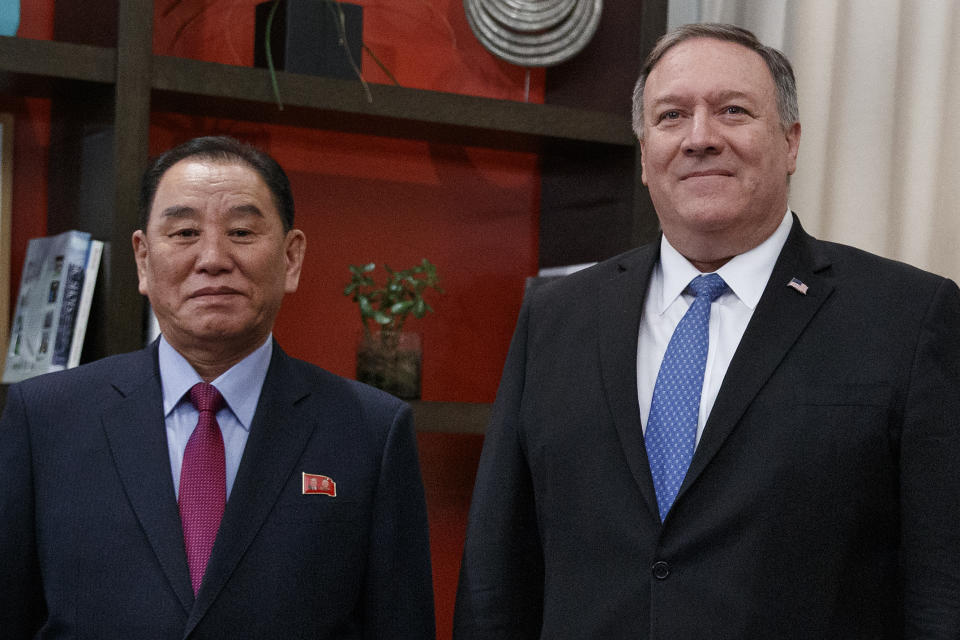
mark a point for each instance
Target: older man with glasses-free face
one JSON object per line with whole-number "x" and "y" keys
{"x": 210, "y": 485}
{"x": 737, "y": 431}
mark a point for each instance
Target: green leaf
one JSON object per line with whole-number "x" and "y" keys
{"x": 402, "y": 307}
{"x": 399, "y": 293}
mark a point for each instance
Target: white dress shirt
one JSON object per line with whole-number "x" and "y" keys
{"x": 667, "y": 300}
{"x": 240, "y": 387}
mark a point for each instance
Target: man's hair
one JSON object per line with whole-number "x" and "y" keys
{"x": 776, "y": 62}
{"x": 219, "y": 149}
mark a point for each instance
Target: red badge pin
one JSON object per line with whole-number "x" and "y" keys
{"x": 313, "y": 483}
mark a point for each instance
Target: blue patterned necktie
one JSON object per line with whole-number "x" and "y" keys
{"x": 672, "y": 427}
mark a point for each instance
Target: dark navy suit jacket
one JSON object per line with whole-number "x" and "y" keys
{"x": 90, "y": 538}
{"x": 823, "y": 500}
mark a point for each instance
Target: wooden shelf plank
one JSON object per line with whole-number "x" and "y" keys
{"x": 31, "y": 67}
{"x": 451, "y": 417}
{"x": 330, "y": 103}
{"x": 56, "y": 60}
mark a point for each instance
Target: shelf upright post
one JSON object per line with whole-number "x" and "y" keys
{"x": 98, "y": 148}
{"x": 131, "y": 122}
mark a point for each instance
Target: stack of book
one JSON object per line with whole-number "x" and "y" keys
{"x": 53, "y": 305}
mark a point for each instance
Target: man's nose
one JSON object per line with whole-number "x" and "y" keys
{"x": 703, "y": 137}
{"x": 213, "y": 253}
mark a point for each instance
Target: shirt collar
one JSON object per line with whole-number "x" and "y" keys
{"x": 240, "y": 385}
{"x": 746, "y": 274}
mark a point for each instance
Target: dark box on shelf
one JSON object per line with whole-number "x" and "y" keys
{"x": 305, "y": 37}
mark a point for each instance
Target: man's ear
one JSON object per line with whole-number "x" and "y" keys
{"x": 139, "y": 240}
{"x": 643, "y": 164}
{"x": 294, "y": 248}
{"x": 793, "y": 146}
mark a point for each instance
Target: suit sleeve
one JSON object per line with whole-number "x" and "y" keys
{"x": 930, "y": 475}
{"x": 500, "y": 594}
{"x": 22, "y": 607}
{"x": 398, "y": 601}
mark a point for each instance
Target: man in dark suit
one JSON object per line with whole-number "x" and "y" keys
{"x": 773, "y": 455}
{"x": 138, "y": 500}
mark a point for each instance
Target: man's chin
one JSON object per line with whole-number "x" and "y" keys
{"x": 710, "y": 213}
{"x": 212, "y": 332}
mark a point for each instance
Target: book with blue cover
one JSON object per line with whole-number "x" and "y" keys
{"x": 53, "y": 303}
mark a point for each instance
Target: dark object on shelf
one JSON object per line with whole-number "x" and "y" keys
{"x": 305, "y": 37}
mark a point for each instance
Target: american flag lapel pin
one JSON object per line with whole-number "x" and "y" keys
{"x": 795, "y": 283}
{"x": 313, "y": 484}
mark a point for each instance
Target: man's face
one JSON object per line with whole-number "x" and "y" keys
{"x": 714, "y": 155}
{"x": 215, "y": 260}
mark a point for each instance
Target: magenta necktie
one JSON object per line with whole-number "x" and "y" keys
{"x": 203, "y": 484}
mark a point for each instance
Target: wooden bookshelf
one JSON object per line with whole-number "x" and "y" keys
{"x": 103, "y": 94}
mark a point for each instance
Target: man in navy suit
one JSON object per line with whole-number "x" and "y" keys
{"x": 291, "y": 508}
{"x": 773, "y": 455}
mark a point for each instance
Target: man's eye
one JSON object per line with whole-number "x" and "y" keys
{"x": 185, "y": 233}
{"x": 669, "y": 115}
{"x": 735, "y": 110}
{"x": 241, "y": 233}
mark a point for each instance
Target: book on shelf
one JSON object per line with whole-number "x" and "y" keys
{"x": 548, "y": 274}
{"x": 53, "y": 304}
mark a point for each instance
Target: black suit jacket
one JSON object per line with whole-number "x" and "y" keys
{"x": 90, "y": 536}
{"x": 823, "y": 500}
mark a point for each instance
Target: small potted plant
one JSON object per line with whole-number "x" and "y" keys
{"x": 388, "y": 357}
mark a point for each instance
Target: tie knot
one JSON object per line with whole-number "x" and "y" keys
{"x": 710, "y": 285}
{"x": 206, "y": 397}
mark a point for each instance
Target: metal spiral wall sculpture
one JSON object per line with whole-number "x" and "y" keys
{"x": 533, "y": 33}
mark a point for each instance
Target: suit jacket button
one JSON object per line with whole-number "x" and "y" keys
{"x": 660, "y": 570}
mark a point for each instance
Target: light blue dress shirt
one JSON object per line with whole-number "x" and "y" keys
{"x": 240, "y": 386}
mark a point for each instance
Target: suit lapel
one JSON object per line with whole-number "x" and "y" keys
{"x": 137, "y": 438}
{"x": 278, "y": 436}
{"x": 619, "y": 307}
{"x": 778, "y": 321}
